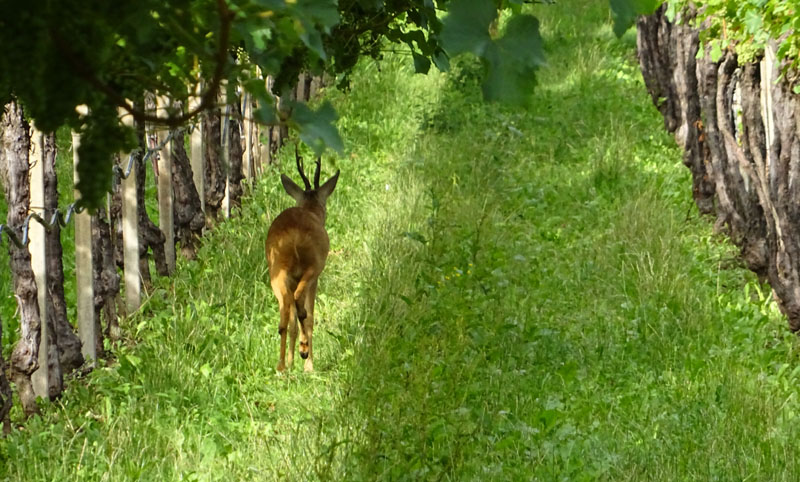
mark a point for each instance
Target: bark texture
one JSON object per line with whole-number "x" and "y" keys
{"x": 214, "y": 171}
{"x": 187, "y": 210}
{"x": 55, "y": 374}
{"x": 151, "y": 239}
{"x": 68, "y": 343}
{"x": 106, "y": 280}
{"x": 236, "y": 174}
{"x": 24, "y": 358}
{"x": 667, "y": 56}
{"x": 744, "y": 154}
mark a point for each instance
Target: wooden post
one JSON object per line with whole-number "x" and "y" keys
{"x": 165, "y": 213}
{"x": 301, "y": 88}
{"x": 225, "y": 141}
{"x": 38, "y": 250}
{"x": 87, "y": 331}
{"x": 313, "y": 88}
{"x": 248, "y": 164}
{"x": 198, "y": 149}
{"x": 130, "y": 231}
{"x": 258, "y": 149}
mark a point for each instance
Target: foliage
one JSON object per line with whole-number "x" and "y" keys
{"x": 626, "y": 11}
{"x": 59, "y": 55}
{"x": 513, "y": 293}
{"x": 745, "y": 26}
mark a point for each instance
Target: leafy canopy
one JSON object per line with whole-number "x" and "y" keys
{"x": 104, "y": 55}
{"x": 745, "y": 27}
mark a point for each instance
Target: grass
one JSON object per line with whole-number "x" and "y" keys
{"x": 512, "y": 294}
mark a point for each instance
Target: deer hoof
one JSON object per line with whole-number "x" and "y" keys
{"x": 281, "y": 367}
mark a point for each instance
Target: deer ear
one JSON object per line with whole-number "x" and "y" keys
{"x": 292, "y": 189}
{"x": 326, "y": 189}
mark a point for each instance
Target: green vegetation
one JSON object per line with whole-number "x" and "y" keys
{"x": 745, "y": 27}
{"x": 512, "y": 294}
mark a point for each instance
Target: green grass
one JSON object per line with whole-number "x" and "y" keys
{"x": 512, "y": 294}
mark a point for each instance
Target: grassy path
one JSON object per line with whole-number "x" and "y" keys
{"x": 513, "y": 294}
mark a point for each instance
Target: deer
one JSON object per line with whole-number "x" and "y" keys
{"x": 297, "y": 248}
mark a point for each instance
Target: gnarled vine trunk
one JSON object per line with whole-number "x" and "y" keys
{"x": 214, "y": 171}
{"x": 150, "y": 237}
{"x": 187, "y": 210}
{"x": 106, "y": 279}
{"x": 738, "y": 125}
{"x": 235, "y": 173}
{"x": 68, "y": 343}
{"x": 667, "y": 57}
{"x": 15, "y": 148}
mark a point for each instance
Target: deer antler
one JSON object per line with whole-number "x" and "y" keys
{"x": 300, "y": 168}
{"x": 316, "y": 172}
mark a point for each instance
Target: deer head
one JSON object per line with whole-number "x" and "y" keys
{"x": 310, "y": 198}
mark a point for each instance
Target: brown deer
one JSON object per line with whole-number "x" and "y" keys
{"x": 297, "y": 247}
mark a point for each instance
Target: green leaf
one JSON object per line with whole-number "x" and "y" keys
{"x": 441, "y": 60}
{"x": 260, "y": 37}
{"x": 753, "y": 21}
{"x": 716, "y": 51}
{"x": 626, "y": 11}
{"x": 421, "y": 63}
{"x": 313, "y": 40}
{"x": 513, "y": 60}
{"x": 324, "y": 12}
{"x": 466, "y": 27}
{"x": 317, "y": 128}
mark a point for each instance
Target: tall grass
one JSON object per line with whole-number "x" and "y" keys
{"x": 512, "y": 294}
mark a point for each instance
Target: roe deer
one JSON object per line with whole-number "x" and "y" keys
{"x": 297, "y": 247}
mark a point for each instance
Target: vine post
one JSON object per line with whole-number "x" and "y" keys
{"x": 248, "y": 130}
{"x": 226, "y": 148}
{"x": 165, "y": 213}
{"x": 87, "y": 330}
{"x": 37, "y": 248}
{"x": 198, "y": 149}
{"x": 130, "y": 231}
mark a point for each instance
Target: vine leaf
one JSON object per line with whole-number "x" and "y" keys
{"x": 421, "y": 63}
{"x": 510, "y": 61}
{"x": 513, "y": 60}
{"x": 626, "y": 11}
{"x": 317, "y": 128}
{"x": 466, "y": 27}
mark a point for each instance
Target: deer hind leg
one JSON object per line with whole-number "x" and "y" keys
{"x": 292, "y": 337}
{"x": 287, "y": 313}
{"x": 307, "y": 324}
